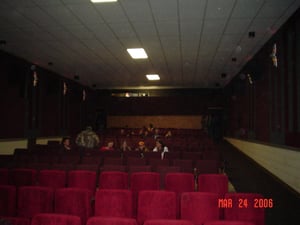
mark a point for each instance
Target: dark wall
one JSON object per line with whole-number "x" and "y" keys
{"x": 178, "y": 102}
{"x": 28, "y": 111}
{"x": 269, "y": 109}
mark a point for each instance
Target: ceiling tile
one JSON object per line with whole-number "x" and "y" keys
{"x": 191, "y": 10}
{"x": 80, "y": 32}
{"x": 167, "y": 28}
{"x": 62, "y": 15}
{"x": 123, "y": 30}
{"x": 272, "y": 9}
{"x": 111, "y": 13}
{"x": 247, "y": 9}
{"x": 237, "y": 26}
{"x": 214, "y": 26}
{"x": 219, "y": 9}
{"x": 164, "y": 10}
{"x": 86, "y": 13}
{"x": 38, "y": 16}
{"x": 145, "y": 30}
{"x": 137, "y": 10}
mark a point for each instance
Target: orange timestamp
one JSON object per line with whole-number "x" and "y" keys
{"x": 258, "y": 203}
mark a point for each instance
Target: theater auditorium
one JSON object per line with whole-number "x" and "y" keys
{"x": 150, "y": 112}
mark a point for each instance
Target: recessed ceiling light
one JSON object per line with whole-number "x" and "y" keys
{"x": 137, "y": 53}
{"x": 153, "y": 77}
{"x": 102, "y": 1}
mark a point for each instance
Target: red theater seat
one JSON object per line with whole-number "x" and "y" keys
{"x": 228, "y": 222}
{"x": 168, "y": 222}
{"x": 86, "y": 166}
{"x": 199, "y": 207}
{"x": 4, "y": 176}
{"x": 33, "y": 200}
{"x": 120, "y": 168}
{"x": 186, "y": 165}
{"x": 143, "y": 181}
{"x": 82, "y": 179}
{"x": 179, "y": 183}
{"x": 16, "y": 220}
{"x": 74, "y": 201}
{"x": 216, "y": 183}
{"x": 112, "y": 161}
{"x": 154, "y": 163}
{"x": 134, "y": 169}
{"x": 111, "y": 221}
{"x": 207, "y": 166}
{"x": 113, "y": 203}
{"x": 7, "y": 200}
{"x": 247, "y": 207}
{"x": 163, "y": 170}
{"x": 23, "y": 177}
{"x": 52, "y": 178}
{"x": 113, "y": 180}
{"x": 156, "y": 205}
{"x": 136, "y": 161}
{"x": 55, "y": 219}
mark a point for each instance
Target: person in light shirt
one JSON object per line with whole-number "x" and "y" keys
{"x": 160, "y": 147}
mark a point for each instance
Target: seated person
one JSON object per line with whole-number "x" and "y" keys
{"x": 156, "y": 133}
{"x": 108, "y": 147}
{"x": 65, "y": 144}
{"x": 168, "y": 134}
{"x": 142, "y": 147}
{"x": 125, "y": 147}
{"x": 160, "y": 147}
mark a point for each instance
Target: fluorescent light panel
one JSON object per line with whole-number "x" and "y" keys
{"x": 137, "y": 53}
{"x": 153, "y": 77}
{"x": 102, "y": 1}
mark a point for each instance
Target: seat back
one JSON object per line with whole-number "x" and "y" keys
{"x": 74, "y": 201}
{"x": 82, "y": 179}
{"x": 156, "y": 205}
{"x": 23, "y": 177}
{"x": 216, "y": 183}
{"x": 55, "y": 219}
{"x": 7, "y": 200}
{"x": 111, "y": 221}
{"x": 113, "y": 180}
{"x": 199, "y": 207}
{"x": 113, "y": 203}
{"x": 33, "y": 200}
{"x": 52, "y": 178}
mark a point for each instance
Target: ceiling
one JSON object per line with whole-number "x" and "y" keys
{"x": 190, "y": 43}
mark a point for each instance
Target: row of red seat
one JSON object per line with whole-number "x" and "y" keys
{"x": 198, "y": 207}
{"x": 64, "y": 219}
{"x": 75, "y": 156}
{"x": 133, "y": 165}
{"x": 118, "y": 180}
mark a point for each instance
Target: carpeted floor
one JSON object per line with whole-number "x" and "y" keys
{"x": 247, "y": 176}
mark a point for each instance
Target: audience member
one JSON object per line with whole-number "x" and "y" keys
{"x": 66, "y": 144}
{"x": 108, "y": 147}
{"x": 87, "y": 138}
{"x": 168, "y": 134}
{"x": 142, "y": 147}
{"x": 160, "y": 147}
{"x": 156, "y": 133}
{"x": 125, "y": 147}
{"x": 150, "y": 128}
